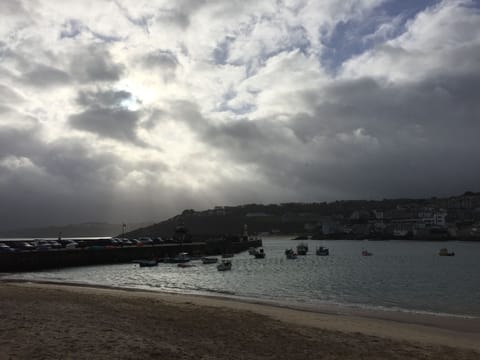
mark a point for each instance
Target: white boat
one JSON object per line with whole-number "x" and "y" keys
{"x": 260, "y": 254}
{"x": 146, "y": 263}
{"x": 224, "y": 265}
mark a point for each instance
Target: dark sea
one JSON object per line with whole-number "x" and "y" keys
{"x": 405, "y": 276}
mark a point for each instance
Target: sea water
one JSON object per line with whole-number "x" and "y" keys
{"x": 400, "y": 275}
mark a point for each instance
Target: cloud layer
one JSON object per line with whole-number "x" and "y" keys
{"x": 133, "y": 110}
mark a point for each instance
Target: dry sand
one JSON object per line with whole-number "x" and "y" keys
{"x": 47, "y": 321}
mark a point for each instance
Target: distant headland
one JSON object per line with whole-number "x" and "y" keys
{"x": 435, "y": 218}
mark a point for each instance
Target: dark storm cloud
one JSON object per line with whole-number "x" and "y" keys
{"x": 67, "y": 181}
{"x": 18, "y": 142}
{"x": 119, "y": 124}
{"x": 366, "y": 138}
{"x": 74, "y": 161}
{"x": 106, "y": 115}
{"x": 94, "y": 64}
{"x": 55, "y": 183}
{"x": 398, "y": 140}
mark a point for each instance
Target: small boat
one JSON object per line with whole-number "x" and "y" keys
{"x": 209, "y": 260}
{"x": 302, "y": 249}
{"x": 185, "y": 265}
{"x": 444, "y": 252}
{"x": 146, "y": 263}
{"x": 322, "y": 251}
{"x": 366, "y": 253}
{"x": 224, "y": 265}
{"x": 182, "y": 257}
{"x": 260, "y": 254}
{"x": 290, "y": 254}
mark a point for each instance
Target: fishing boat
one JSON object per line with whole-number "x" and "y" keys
{"x": 302, "y": 249}
{"x": 366, "y": 253}
{"x": 182, "y": 257}
{"x": 209, "y": 260}
{"x": 224, "y": 265}
{"x": 290, "y": 254}
{"x": 260, "y": 254}
{"x": 322, "y": 251}
{"x": 146, "y": 263}
{"x": 444, "y": 252}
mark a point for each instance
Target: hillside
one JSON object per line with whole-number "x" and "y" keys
{"x": 339, "y": 219}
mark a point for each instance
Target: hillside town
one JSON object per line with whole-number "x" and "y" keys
{"x": 455, "y": 217}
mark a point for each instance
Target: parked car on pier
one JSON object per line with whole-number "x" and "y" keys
{"x": 71, "y": 245}
{"x": 146, "y": 241}
{"x": 42, "y": 245}
{"x": 4, "y": 248}
{"x": 136, "y": 242}
{"x": 55, "y": 244}
{"x": 114, "y": 242}
{"x": 125, "y": 242}
{"x": 158, "y": 240}
{"x": 22, "y": 246}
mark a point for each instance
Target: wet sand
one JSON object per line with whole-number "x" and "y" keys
{"x": 53, "y": 321}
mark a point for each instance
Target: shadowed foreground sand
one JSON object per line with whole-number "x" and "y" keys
{"x": 40, "y": 321}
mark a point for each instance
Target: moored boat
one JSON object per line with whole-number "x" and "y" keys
{"x": 366, "y": 253}
{"x": 302, "y": 249}
{"x": 209, "y": 260}
{"x": 322, "y": 251}
{"x": 146, "y": 263}
{"x": 290, "y": 254}
{"x": 224, "y": 265}
{"x": 444, "y": 252}
{"x": 182, "y": 257}
{"x": 259, "y": 254}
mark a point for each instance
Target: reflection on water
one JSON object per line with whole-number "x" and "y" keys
{"x": 400, "y": 275}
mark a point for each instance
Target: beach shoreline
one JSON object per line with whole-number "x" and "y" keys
{"x": 459, "y": 334}
{"x": 445, "y": 321}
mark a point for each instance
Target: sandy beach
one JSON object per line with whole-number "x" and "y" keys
{"x": 54, "y": 321}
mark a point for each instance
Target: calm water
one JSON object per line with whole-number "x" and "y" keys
{"x": 400, "y": 275}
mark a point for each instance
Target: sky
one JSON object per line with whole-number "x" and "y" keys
{"x": 133, "y": 110}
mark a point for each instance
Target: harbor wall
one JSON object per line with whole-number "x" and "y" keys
{"x": 40, "y": 260}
